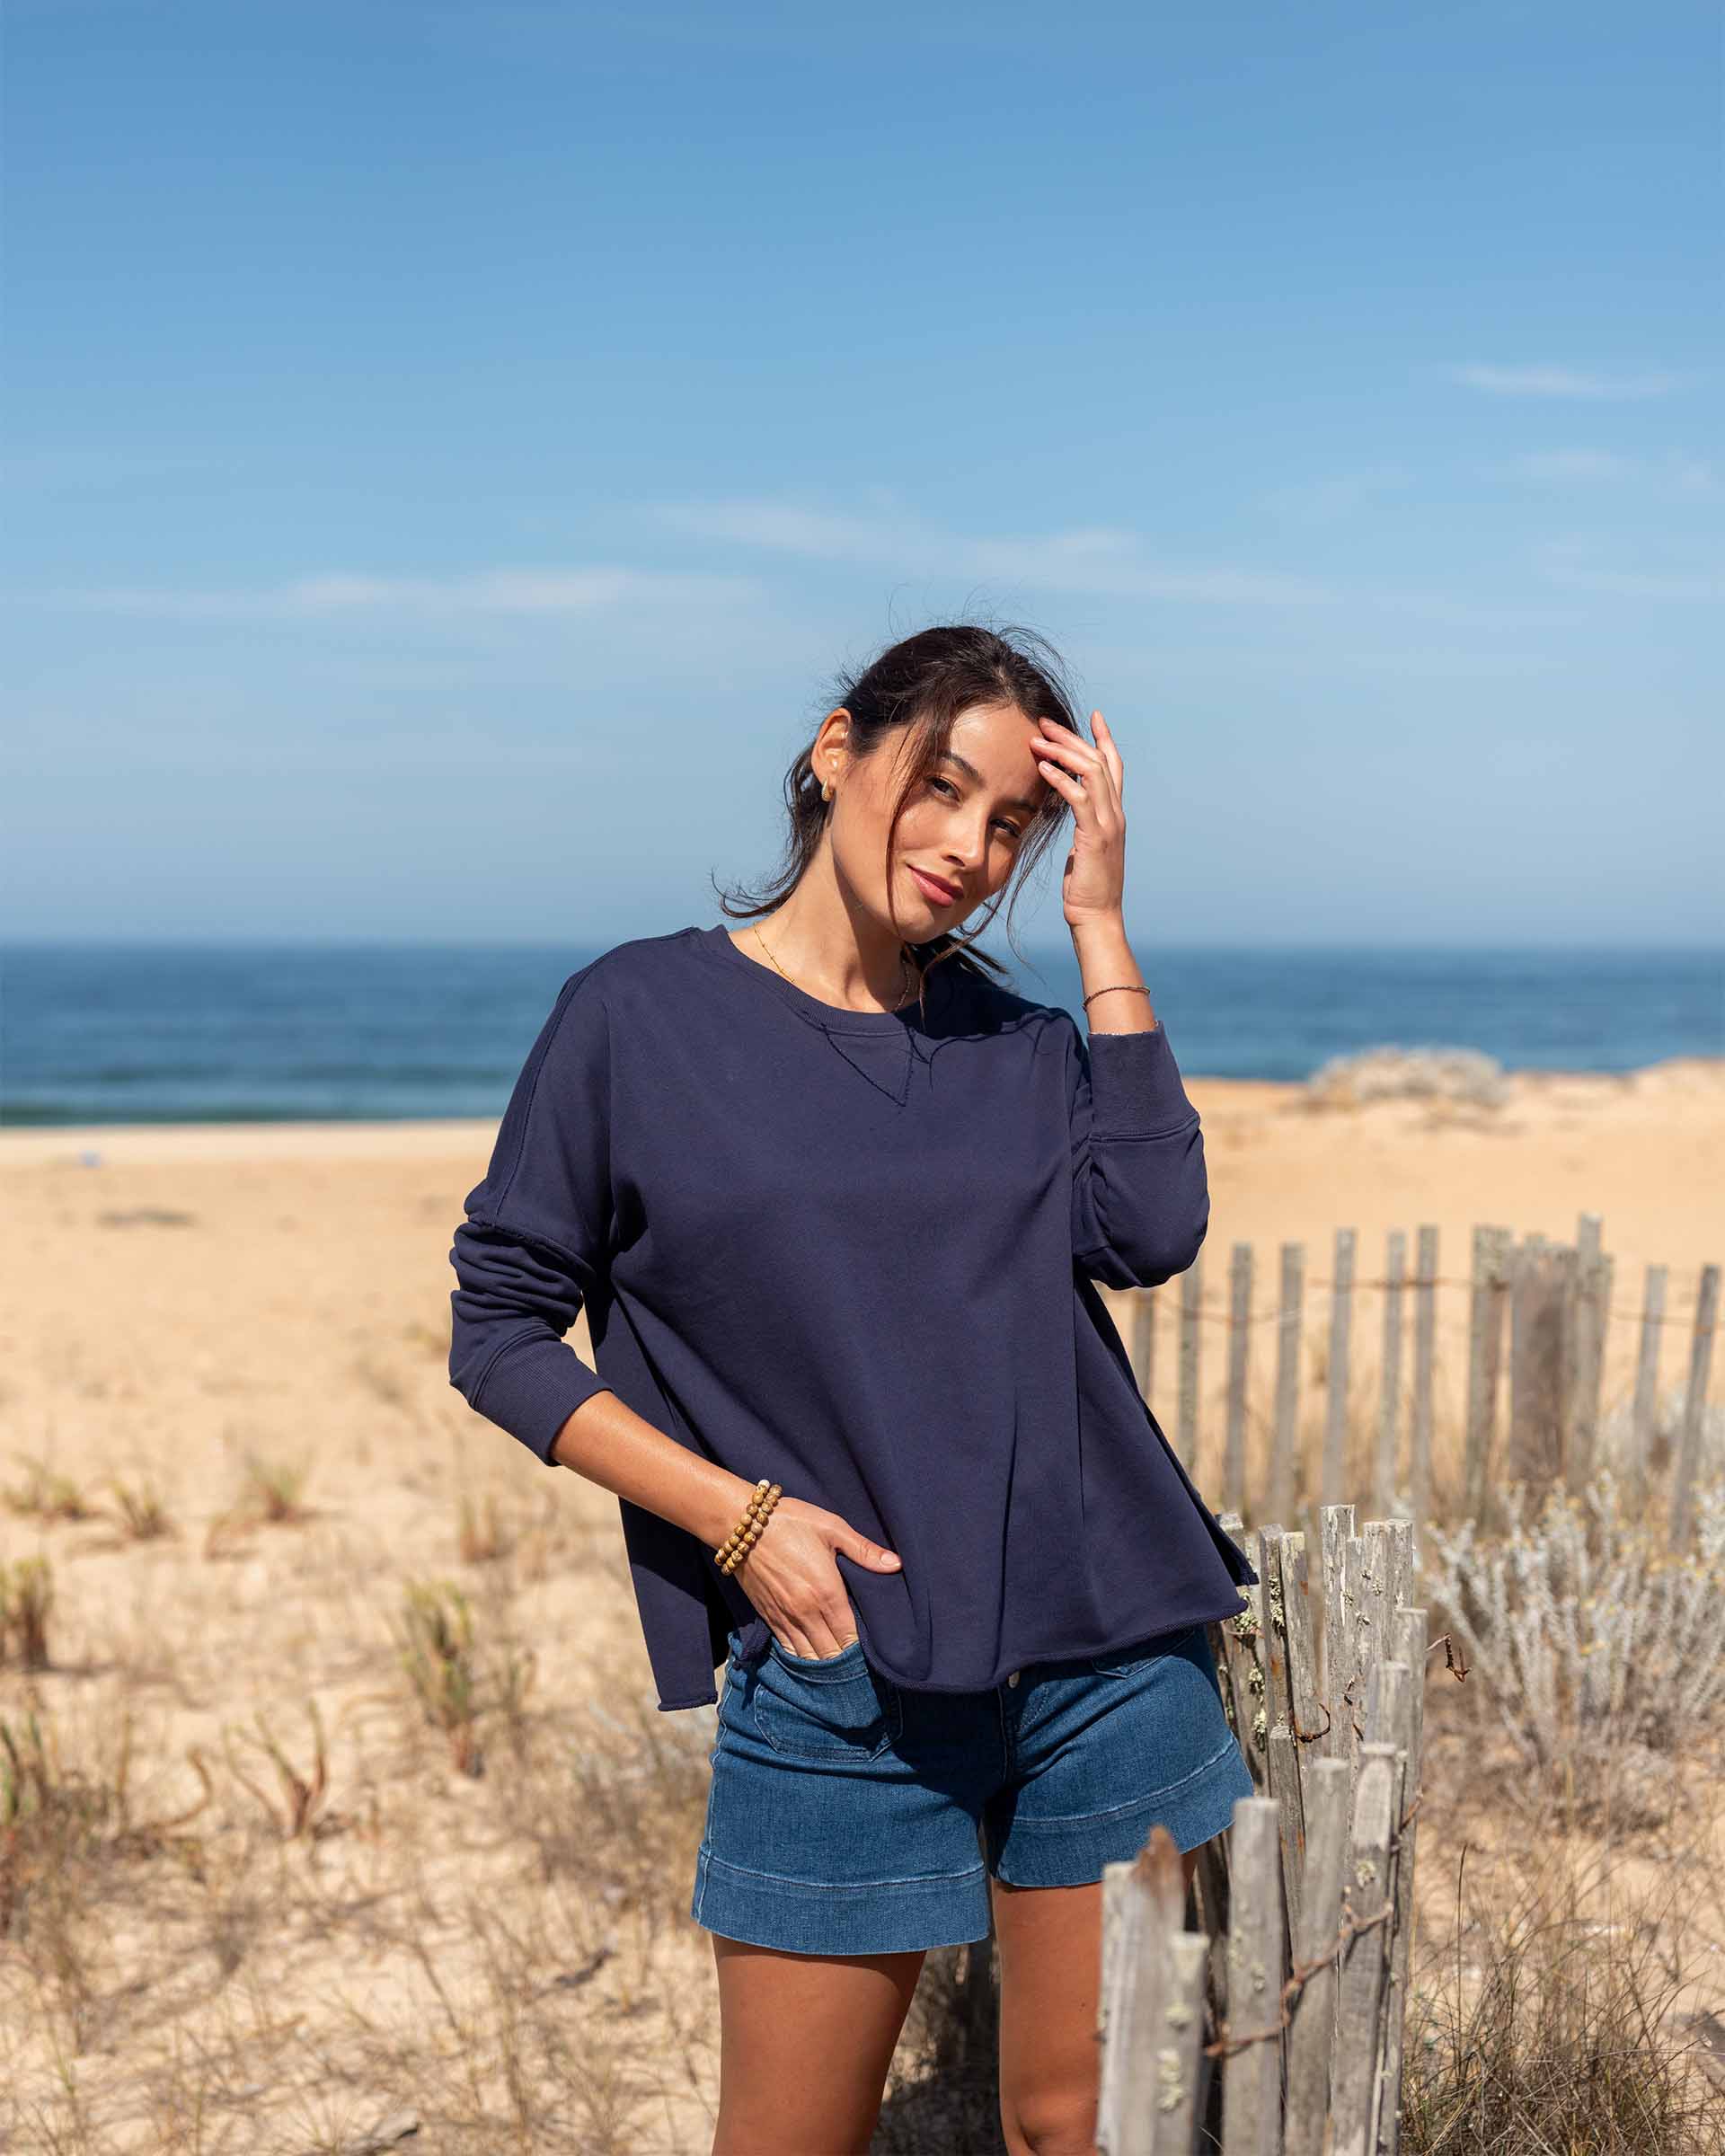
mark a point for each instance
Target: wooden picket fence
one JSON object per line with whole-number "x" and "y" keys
{"x": 1552, "y": 1300}
{"x": 1299, "y": 1963}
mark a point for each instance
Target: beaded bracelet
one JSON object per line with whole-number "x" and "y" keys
{"x": 746, "y": 1533}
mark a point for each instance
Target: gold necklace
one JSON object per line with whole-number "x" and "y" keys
{"x": 905, "y": 975}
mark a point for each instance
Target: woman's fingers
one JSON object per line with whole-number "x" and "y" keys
{"x": 1088, "y": 769}
{"x": 817, "y": 1637}
{"x": 798, "y": 1587}
{"x": 1080, "y": 775}
{"x": 1111, "y": 750}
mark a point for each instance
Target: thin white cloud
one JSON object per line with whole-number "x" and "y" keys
{"x": 1566, "y": 561}
{"x": 1571, "y": 463}
{"x": 1637, "y": 584}
{"x": 1095, "y": 561}
{"x": 1561, "y": 382}
{"x": 1674, "y": 472}
{"x": 1443, "y": 608}
{"x": 338, "y": 593}
{"x": 51, "y": 472}
{"x": 1684, "y": 475}
{"x": 1334, "y": 499}
{"x": 1098, "y": 561}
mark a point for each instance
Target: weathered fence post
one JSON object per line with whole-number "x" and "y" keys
{"x": 1252, "y": 2075}
{"x": 1410, "y": 1655}
{"x": 1539, "y": 1364}
{"x": 1308, "y": 1897}
{"x": 1367, "y": 1909}
{"x": 1484, "y": 1355}
{"x": 1234, "y": 1451}
{"x": 1191, "y": 1296}
{"x": 1268, "y": 1548}
{"x": 1335, "y": 1422}
{"x": 1586, "y": 1370}
{"x": 1312, "y": 2018}
{"x": 1240, "y": 1668}
{"x": 1389, "y": 1394}
{"x": 1425, "y": 1335}
{"x": 1286, "y": 1436}
{"x": 1142, "y": 1908}
{"x": 1647, "y": 1385}
{"x": 1688, "y": 1449}
{"x": 1336, "y": 1524}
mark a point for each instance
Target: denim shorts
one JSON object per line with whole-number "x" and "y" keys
{"x": 851, "y": 1815}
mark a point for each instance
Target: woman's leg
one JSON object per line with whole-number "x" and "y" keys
{"x": 1050, "y": 1943}
{"x": 806, "y": 2041}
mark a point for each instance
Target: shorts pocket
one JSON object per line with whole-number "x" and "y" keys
{"x": 830, "y": 1707}
{"x": 1126, "y": 1661}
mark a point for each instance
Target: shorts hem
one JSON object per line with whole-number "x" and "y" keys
{"x": 866, "y": 1916}
{"x": 1073, "y": 1851}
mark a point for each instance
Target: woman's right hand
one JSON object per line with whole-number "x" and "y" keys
{"x": 791, "y": 1577}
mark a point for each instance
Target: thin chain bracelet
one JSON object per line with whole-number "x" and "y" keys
{"x": 746, "y": 1533}
{"x": 1136, "y": 988}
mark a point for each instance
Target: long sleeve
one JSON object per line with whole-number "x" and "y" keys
{"x": 535, "y": 1242}
{"x": 1140, "y": 1193}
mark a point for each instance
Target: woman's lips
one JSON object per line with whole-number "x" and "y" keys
{"x": 938, "y": 892}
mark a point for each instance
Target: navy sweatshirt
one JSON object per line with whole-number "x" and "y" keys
{"x": 856, "y": 1252}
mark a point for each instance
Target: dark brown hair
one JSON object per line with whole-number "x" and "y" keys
{"x": 924, "y": 682}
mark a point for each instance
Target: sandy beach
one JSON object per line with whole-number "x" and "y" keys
{"x": 208, "y": 1312}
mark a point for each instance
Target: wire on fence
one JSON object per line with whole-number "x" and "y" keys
{"x": 1224, "y": 1315}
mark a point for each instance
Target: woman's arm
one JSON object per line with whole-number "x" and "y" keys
{"x": 1140, "y": 1193}
{"x": 1140, "y": 1189}
{"x": 608, "y": 1443}
{"x": 535, "y": 1245}
{"x": 1110, "y": 975}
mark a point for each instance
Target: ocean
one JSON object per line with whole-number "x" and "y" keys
{"x": 131, "y": 1033}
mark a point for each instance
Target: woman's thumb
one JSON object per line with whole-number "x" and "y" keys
{"x": 866, "y": 1552}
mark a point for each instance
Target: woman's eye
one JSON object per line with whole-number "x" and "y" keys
{"x": 951, "y": 792}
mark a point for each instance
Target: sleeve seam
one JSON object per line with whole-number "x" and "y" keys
{"x": 566, "y": 996}
{"x": 533, "y": 1239}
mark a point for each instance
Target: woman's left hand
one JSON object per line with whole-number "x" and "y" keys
{"x": 1090, "y": 777}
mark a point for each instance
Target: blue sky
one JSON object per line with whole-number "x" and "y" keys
{"x": 450, "y": 448}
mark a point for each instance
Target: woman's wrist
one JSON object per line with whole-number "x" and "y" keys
{"x": 728, "y": 1496}
{"x": 608, "y": 1443}
{"x": 1105, "y": 962}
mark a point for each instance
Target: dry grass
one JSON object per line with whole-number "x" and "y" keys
{"x": 45, "y": 1494}
{"x": 254, "y": 1903}
{"x": 506, "y": 1969}
{"x": 142, "y": 1515}
{"x": 1557, "y": 2010}
{"x": 26, "y": 1602}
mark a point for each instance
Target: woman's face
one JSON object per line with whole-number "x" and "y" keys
{"x": 961, "y": 829}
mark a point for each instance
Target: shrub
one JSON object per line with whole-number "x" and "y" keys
{"x": 26, "y": 1597}
{"x": 1596, "y": 1639}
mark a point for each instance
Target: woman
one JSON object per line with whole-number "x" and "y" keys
{"x": 838, "y": 1202}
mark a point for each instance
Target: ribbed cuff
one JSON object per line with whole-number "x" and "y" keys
{"x": 1136, "y": 1090}
{"x": 533, "y": 1389}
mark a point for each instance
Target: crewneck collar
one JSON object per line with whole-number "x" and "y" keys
{"x": 832, "y": 1018}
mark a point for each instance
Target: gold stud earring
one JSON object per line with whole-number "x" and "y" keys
{"x": 827, "y": 790}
